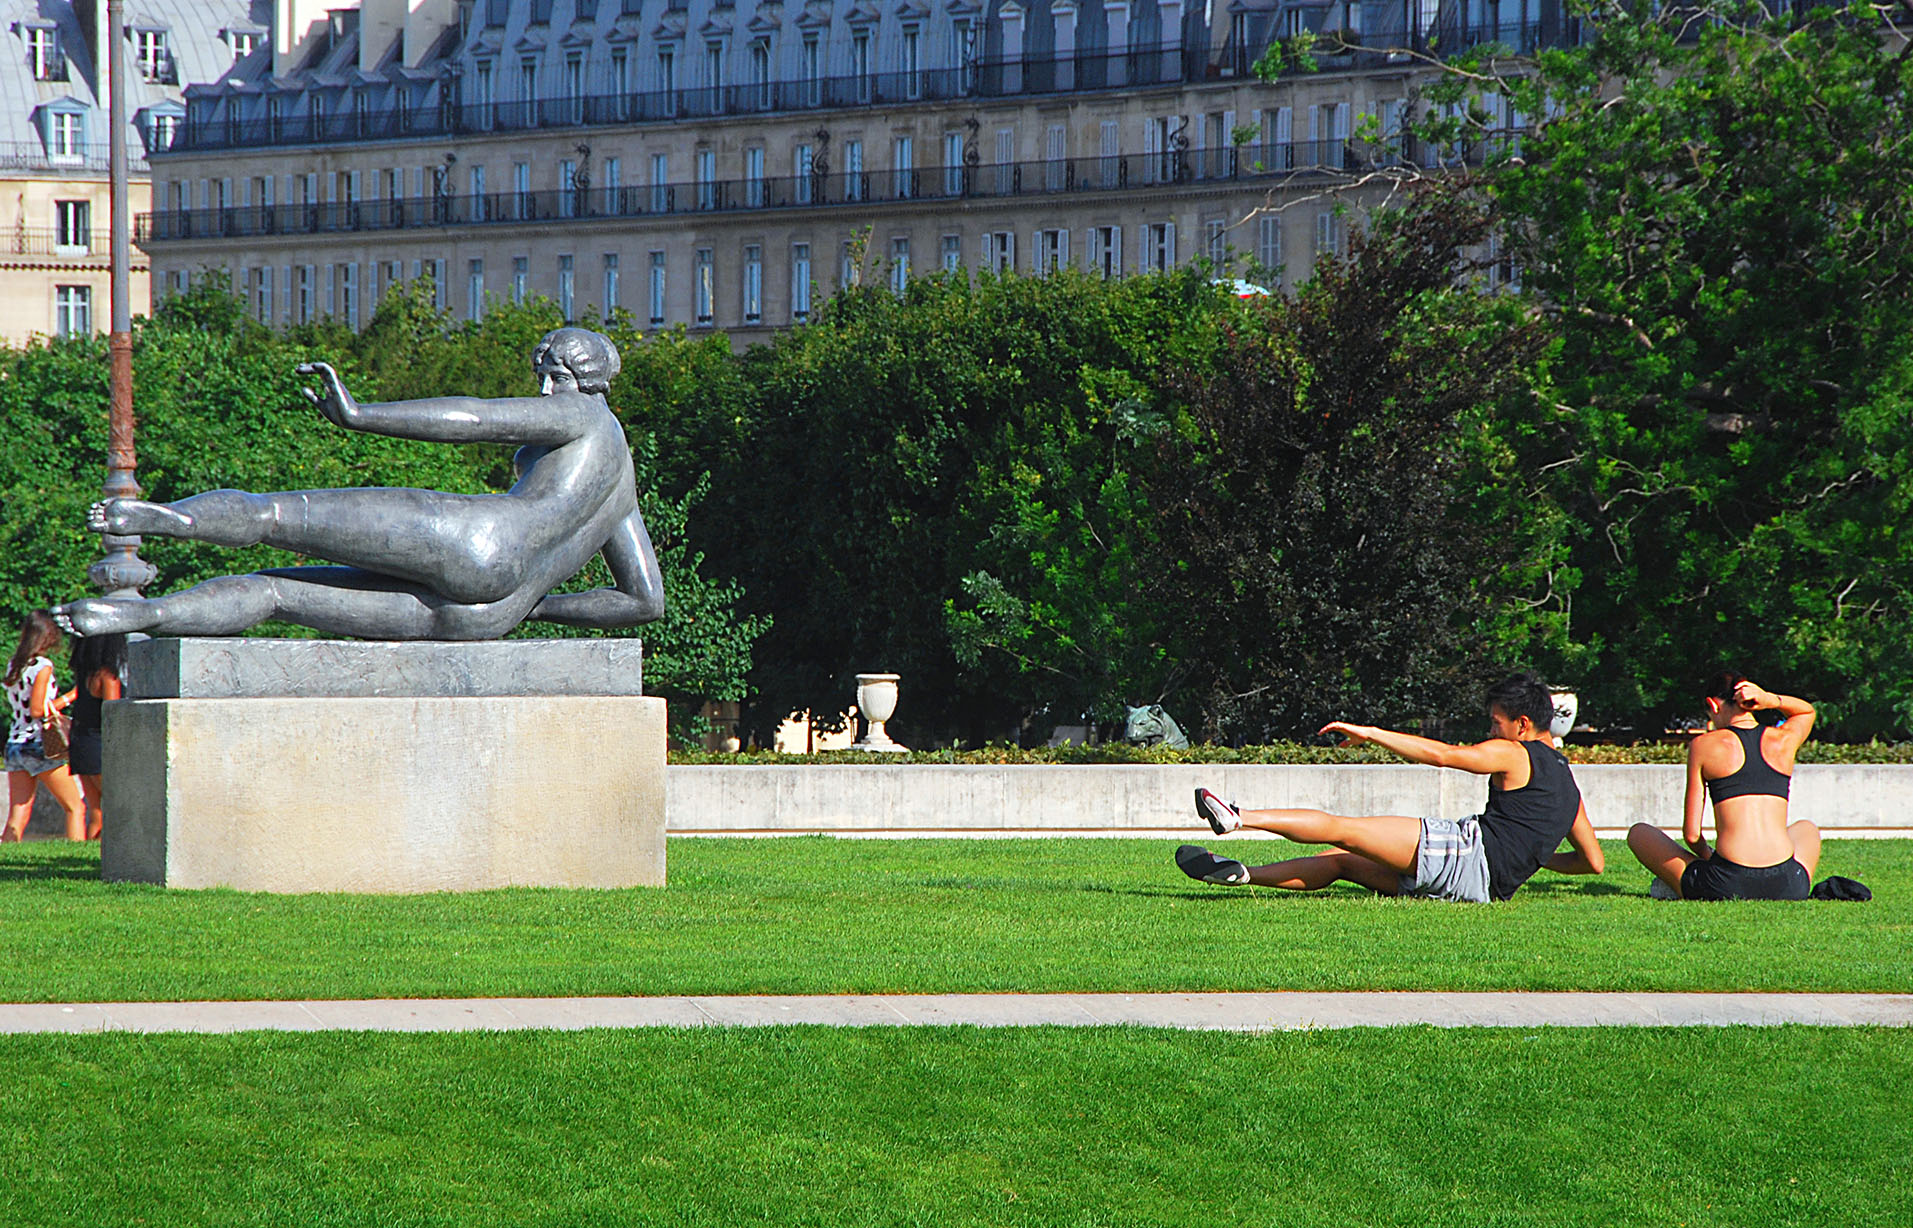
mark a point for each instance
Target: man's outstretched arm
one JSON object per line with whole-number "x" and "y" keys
{"x": 548, "y": 420}
{"x": 1483, "y": 758}
{"x": 638, "y": 593}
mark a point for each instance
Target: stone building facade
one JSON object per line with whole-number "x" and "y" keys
{"x": 726, "y": 165}
{"x": 55, "y": 272}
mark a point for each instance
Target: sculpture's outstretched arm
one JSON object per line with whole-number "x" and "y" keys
{"x": 549, "y": 420}
{"x": 639, "y": 593}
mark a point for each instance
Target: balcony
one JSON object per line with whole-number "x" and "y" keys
{"x": 1256, "y": 163}
{"x": 90, "y": 159}
{"x": 45, "y": 241}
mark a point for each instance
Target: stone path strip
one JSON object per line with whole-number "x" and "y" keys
{"x": 1226, "y": 1012}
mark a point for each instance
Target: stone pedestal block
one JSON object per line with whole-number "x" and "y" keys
{"x": 386, "y": 793}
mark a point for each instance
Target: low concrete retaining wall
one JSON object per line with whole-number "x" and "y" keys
{"x": 1151, "y": 797}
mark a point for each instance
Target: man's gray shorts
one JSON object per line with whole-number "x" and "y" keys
{"x": 1450, "y": 863}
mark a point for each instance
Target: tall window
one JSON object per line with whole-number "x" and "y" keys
{"x": 567, "y": 287}
{"x": 567, "y": 188}
{"x": 43, "y": 53}
{"x": 1328, "y": 233}
{"x": 668, "y": 77}
{"x": 575, "y": 88}
{"x": 714, "y": 70}
{"x": 754, "y": 177}
{"x": 520, "y": 278}
{"x": 1106, "y": 250}
{"x": 1052, "y": 250}
{"x": 475, "y": 290}
{"x": 149, "y": 52}
{"x": 521, "y": 189}
{"x": 963, "y": 51}
{"x": 953, "y": 164}
{"x": 800, "y": 282}
{"x": 802, "y": 168}
{"x": 610, "y": 282}
{"x": 165, "y": 128}
{"x": 999, "y": 251}
{"x": 302, "y": 297}
{"x": 707, "y": 179}
{"x": 657, "y": 289}
{"x": 813, "y": 72}
{"x": 1055, "y": 155}
{"x": 482, "y": 92}
{"x": 73, "y": 311}
{"x": 1218, "y": 244}
{"x": 528, "y": 89}
{"x": 613, "y": 185}
{"x": 848, "y": 274}
{"x": 703, "y": 275}
{"x": 660, "y": 183}
{"x": 1110, "y": 149}
{"x": 911, "y": 65}
{"x": 1268, "y": 241}
{"x": 349, "y": 293}
{"x": 900, "y": 264}
{"x": 1160, "y": 245}
{"x": 860, "y": 63}
{"x": 903, "y": 159}
{"x": 950, "y": 250}
{"x": 621, "y": 80}
{"x": 761, "y": 74}
{"x": 66, "y": 136}
{"x": 753, "y": 283}
{"x": 73, "y": 224}
{"x": 853, "y": 170}
{"x": 1005, "y": 156}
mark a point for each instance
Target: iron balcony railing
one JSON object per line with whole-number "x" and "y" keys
{"x": 35, "y": 156}
{"x": 47, "y": 241}
{"x": 1193, "y": 167}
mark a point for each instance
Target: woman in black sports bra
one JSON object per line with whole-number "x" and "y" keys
{"x": 1745, "y": 769}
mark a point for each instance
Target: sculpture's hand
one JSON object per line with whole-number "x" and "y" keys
{"x": 331, "y": 398}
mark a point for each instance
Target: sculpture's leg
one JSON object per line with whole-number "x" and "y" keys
{"x": 470, "y": 548}
{"x": 337, "y": 600}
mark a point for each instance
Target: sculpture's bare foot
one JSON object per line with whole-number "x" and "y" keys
{"x": 137, "y": 517}
{"x": 103, "y": 615}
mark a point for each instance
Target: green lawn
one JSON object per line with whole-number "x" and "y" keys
{"x": 1419, "y": 1127}
{"x": 815, "y": 915}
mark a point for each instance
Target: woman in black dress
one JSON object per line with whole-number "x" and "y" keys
{"x": 99, "y": 672}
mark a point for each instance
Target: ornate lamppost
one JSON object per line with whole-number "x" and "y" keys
{"x": 122, "y": 573}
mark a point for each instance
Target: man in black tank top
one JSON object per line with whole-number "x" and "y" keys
{"x": 1533, "y": 805}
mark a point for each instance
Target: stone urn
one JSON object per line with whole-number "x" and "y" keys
{"x": 1567, "y": 705}
{"x": 877, "y": 701}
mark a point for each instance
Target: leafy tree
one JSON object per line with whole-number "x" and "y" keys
{"x": 939, "y": 485}
{"x": 1715, "y": 217}
{"x": 1334, "y": 532}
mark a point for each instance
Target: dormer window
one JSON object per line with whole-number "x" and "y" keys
{"x": 63, "y": 130}
{"x": 153, "y": 57}
{"x": 243, "y": 42}
{"x": 44, "y": 56}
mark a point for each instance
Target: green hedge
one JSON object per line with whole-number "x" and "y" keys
{"x": 1281, "y": 752}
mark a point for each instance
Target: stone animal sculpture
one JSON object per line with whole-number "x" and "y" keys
{"x": 1151, "y": 726}
{"x": 423, "y": 564}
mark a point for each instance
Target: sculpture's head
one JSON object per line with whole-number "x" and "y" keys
{"x": 574, "y": 357}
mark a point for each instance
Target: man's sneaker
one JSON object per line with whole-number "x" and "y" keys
{"x": 1659, "y": 890}
{"x": 1222, "y": 817}
{"x": 1205, "y": 867}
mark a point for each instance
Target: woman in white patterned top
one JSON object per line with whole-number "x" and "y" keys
{"x": 32, "y": 697}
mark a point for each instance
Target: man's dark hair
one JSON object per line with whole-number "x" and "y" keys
{"x": 1523, "y": 695}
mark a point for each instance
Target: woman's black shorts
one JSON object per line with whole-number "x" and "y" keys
{"x": 1716, "y": 878}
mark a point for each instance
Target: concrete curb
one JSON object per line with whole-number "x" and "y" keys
{"x": 1219, "y": 1012}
